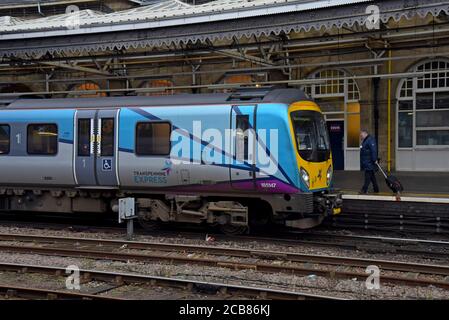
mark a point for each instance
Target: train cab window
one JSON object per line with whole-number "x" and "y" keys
{"x": 4, "y": 139}
{"x": 107, "y": 137}
{"x": 84, "y": 134}
{"x": 241, "y": 138}
{"x": 311, "y": 134}
{"x": 153, "y": 138}
{"x": 42, "y": 139}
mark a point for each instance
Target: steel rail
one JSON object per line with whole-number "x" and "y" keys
{"x": 214, "y": 250}
{"x": 288, "y": 238}
{"x": 292, "y": 237}
{"x": 375, "y": 238}
{"x": 360, "y": 242}
{"x": 269, "y": 267}
{"x": 13, "y": 291}
{"x": 185, "y": 284}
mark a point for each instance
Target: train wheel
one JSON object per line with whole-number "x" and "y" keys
{"x": 150, "y": 225}
{"x": 232, "y": 230}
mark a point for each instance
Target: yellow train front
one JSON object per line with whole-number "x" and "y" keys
{"x": 313, "y": 165}
{"x": 296, "y": 184}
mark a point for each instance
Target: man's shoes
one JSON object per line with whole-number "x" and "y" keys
{"x": 376, "y": 192}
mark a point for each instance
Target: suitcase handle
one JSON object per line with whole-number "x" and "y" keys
{"x": 381, "y": 170}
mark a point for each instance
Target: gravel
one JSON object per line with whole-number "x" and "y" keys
{"x": 350, "y": 289}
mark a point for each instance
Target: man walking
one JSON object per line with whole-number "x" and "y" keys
{"x": 368, "y": 161}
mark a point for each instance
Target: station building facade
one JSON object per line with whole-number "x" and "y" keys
{"x": 379, "y": 65}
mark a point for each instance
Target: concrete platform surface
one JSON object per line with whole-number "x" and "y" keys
{"x": 419, "y": 184}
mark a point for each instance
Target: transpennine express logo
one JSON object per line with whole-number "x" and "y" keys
{"x": 154, "y": 177}
{"x": 168, "y": 167}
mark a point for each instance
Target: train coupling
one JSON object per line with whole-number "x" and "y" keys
{"x": 324, "y": 204}
{"x": 328, "y": 203}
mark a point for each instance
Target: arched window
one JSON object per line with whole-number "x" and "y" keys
{"x": 338, "y": 97}
{"x": 163, "y": 84}
{"x": 238, "y": 78}
{"x": 334, "y": 85}
{"x": 87, "y": 86}
{"x": 423, "y": 106}
{"x": 423, "y": 117}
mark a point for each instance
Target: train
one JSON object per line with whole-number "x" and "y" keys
{"x": 228, "y": 160}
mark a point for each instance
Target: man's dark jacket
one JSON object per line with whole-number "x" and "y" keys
{"x": 368, "y": 154}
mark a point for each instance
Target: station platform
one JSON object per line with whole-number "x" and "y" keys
{"x": 422, "y": 207}
{"x": 416, "y": 184}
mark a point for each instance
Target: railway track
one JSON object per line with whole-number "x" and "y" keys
{"x": 379, "y": 244}
{"x": 350, "y": 221}
{"x": 429, "y": 249}
{"x": 232, "y": 258}
{"x": 118, "y": 279}
{"x": 15, "y": 292}
{"x": 435, "y": 249}
{"x": 418, "y": 214}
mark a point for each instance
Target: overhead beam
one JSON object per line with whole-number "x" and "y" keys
{"x": 76, "y": 68}
{"x": 298, "y": 82}
{"x": 244, "y": 57}
{"x": 241, "y": 55}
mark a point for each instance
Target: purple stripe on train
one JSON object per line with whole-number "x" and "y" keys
{"x": 265, "y": 185}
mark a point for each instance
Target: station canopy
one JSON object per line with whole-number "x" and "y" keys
{"x": 156, "y": 23}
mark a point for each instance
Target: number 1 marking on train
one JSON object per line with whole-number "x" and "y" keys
{"x": 18, "y": 136}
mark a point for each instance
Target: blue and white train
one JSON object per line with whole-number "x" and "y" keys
{"x": 230, "y": 160}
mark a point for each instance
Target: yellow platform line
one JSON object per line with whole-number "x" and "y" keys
{"x": 405, "y": 194}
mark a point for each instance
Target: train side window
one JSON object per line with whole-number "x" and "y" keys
{"x": 107, "y": 137}
{"x": 5, "y": 132}
{"x": 153, "y": 138}
{"x": 241, "y": 137}
{"x": 42, "y": 139}
{"x": 84, "y": 135}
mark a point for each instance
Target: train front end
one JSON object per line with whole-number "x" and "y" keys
{"x": 314, "y": 162}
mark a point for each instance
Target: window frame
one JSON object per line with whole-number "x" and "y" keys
{"x": 429, "y": 73}
{"x": 57, "y": 139}
{"x": 350, "y": 93}
{"x": 397, "y": 125}
{"x": 78, "y": 137}
{"x": 336, "y": 78}
{"x": 153, "y": 122}
{"x": 9, "y": 139}
{"x": 113, "y": 136}
{"x": 245, "y": 150}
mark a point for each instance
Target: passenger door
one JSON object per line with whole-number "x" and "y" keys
{"x": 107, "y": 124}
{"x": 96, "y": 148}
{"x": 85, "y": 148}
{"x": 337, "y": 135}
{"x": 243, "y": 168}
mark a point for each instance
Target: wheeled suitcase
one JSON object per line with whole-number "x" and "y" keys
{"x": 392, "y": 182}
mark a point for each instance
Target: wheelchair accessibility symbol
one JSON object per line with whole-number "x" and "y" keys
{"x": 107, "y": 165}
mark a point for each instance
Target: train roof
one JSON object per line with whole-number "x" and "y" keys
{"x": 284, "y": 96}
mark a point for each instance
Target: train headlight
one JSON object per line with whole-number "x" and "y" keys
{"x": 329, "y": 175}
{"x": 305, "y": 177}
